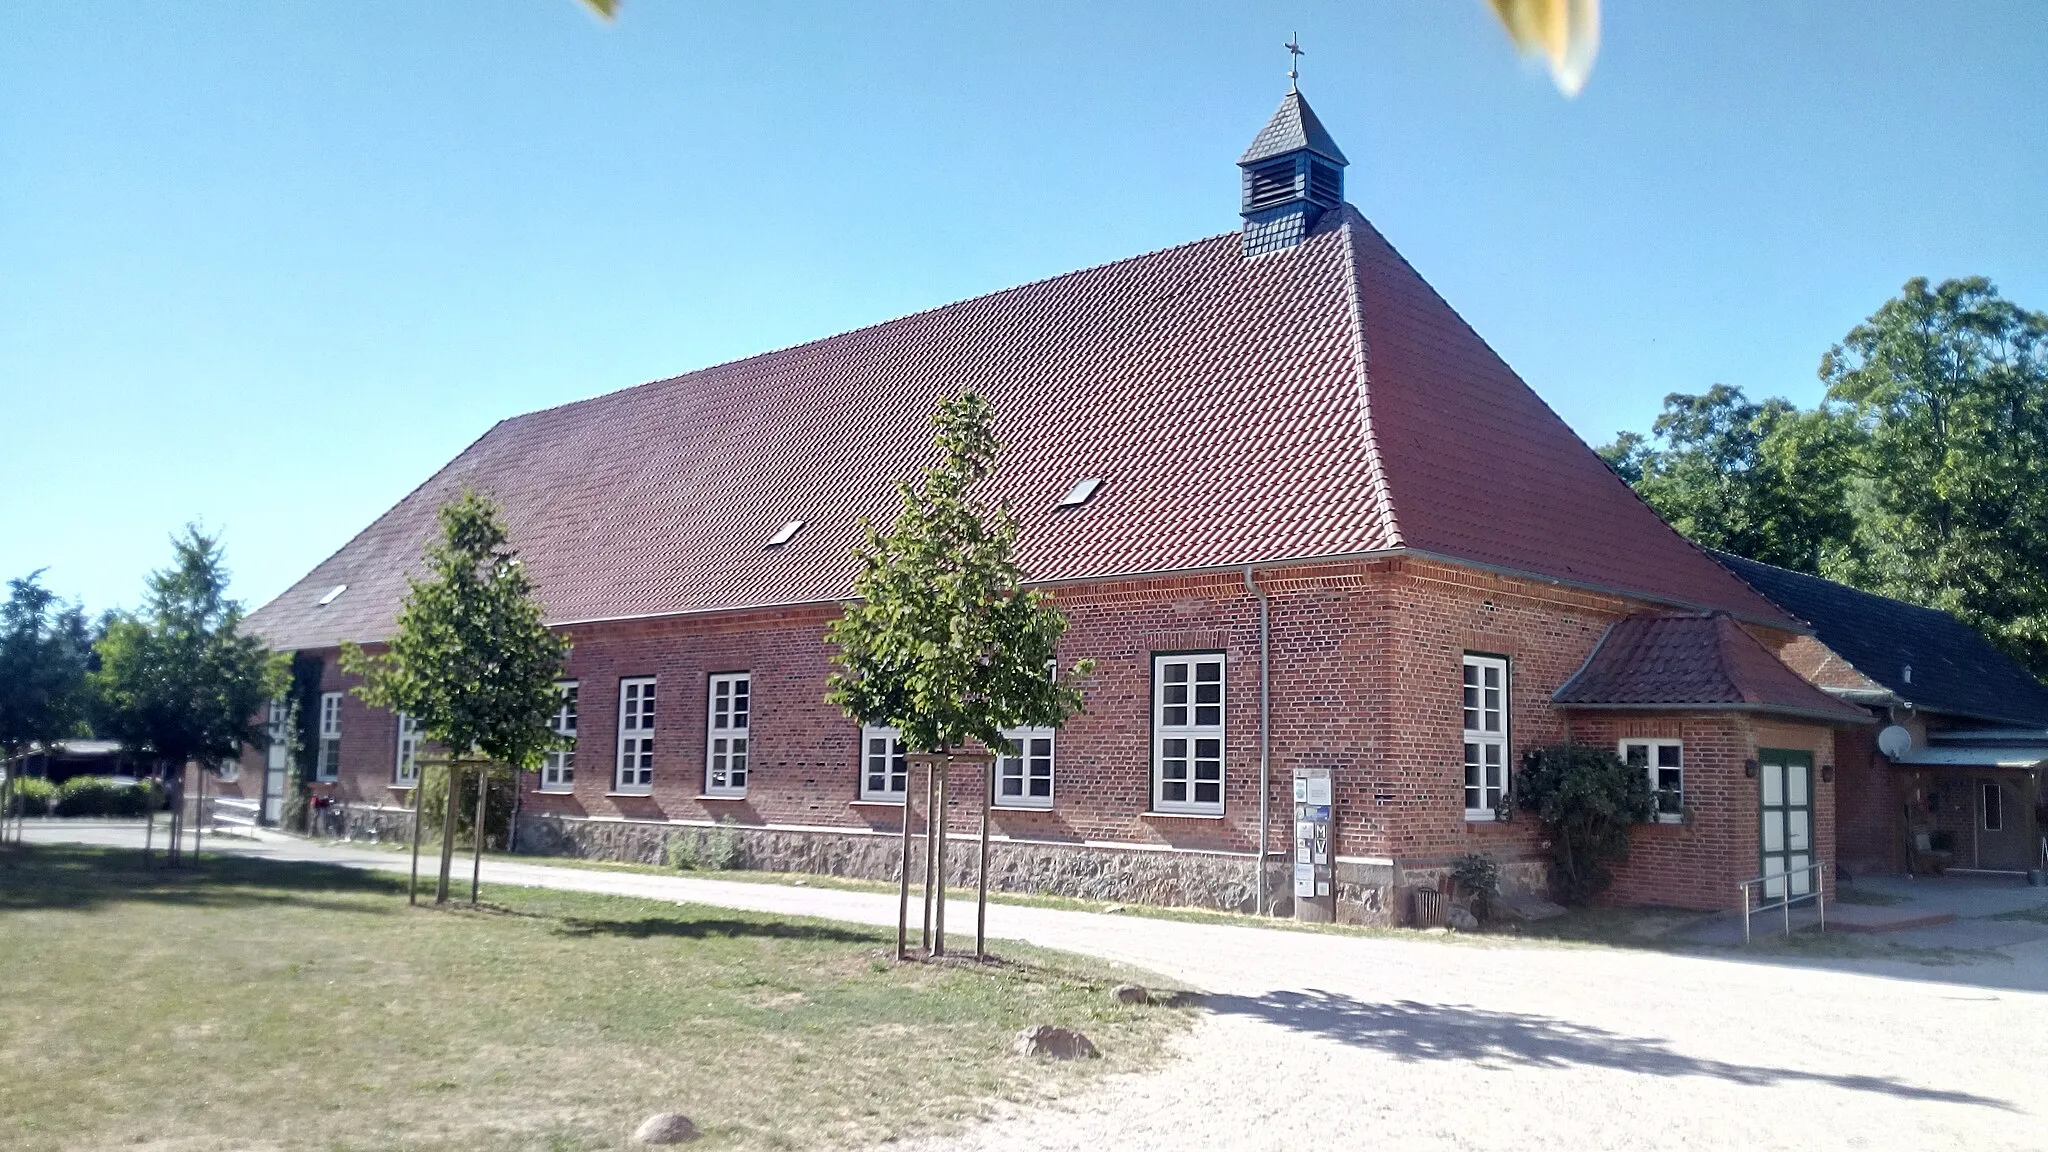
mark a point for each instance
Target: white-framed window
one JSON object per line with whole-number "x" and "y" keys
{"x": 1486, "y": 735}
{"x": 726, "y": 740}
{"x": 277, "y": 724}
{"x": 1663, "y": 764}
{"x": 1187, "y": 733}
{"x": 884, "y": 766}
{"x": 327, "y": 761}
{"x": 558, "y": 767}
{"x": 636, "y": 736}
{"x": 229, "y": 771}
{"x": 405, "y": 772}
{"x": 1024, "y": 769}
{"x": 1994, "y": 807}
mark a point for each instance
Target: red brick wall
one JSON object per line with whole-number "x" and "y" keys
{"x": 1867, "y": 805}
{"x": 1694, "y": 865}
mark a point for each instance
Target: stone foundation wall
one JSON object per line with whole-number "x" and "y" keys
{"x": 1183, "y": 879}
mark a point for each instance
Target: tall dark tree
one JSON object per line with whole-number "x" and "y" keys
{"x": 43, "y": 662}
{"x": 1765, "y": 481}
{"x": 1948, "y": 386}
{"x": 180, "y": 682}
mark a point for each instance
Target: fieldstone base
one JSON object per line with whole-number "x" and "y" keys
{"x": 375, "y": 824}
{"x": 1136, "y": 876}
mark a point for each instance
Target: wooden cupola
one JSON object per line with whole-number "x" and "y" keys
{"x": 1292, "y": 173}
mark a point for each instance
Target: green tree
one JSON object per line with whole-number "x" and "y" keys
{"x": 1765, "y": 481}
{"x": 472, "y": 660}
{"x": 944, "y": 642}
{"x": 1948, "y": 388}
{"x": 1589, "y": 799}
{"x": 43, "y": 662}
{"x": 179, "y": 682}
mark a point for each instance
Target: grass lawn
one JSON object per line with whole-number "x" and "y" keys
{"x": 251, "y": 1004}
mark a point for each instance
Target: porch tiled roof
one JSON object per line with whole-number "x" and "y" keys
{"x": 1691, "y": 661}
{"x": 1320, "y": 401}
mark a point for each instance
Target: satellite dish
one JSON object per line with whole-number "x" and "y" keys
{"x": 1894, "y": 741}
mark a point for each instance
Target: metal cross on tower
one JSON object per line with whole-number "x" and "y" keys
{"x": 1294, "y": 55}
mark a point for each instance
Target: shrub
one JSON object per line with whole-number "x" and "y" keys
{"x": 715, "y": 850}
{"x": 1477, "y": 875}
{"x": 33, "y": 796}
{"x": 99, "y": 796}
{"x": 1589, "y": 798}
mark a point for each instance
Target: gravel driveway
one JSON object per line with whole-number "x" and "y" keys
{"x": 1328, "y": 1041}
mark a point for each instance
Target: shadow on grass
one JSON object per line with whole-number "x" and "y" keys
{"x": 708, "y": 928}
{"x": 1451, "y": 1032}
{"x": 42, "y": 877}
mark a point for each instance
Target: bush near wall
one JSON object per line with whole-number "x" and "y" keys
{"x": 33, "y": 796}
{"x": 99, "y": 796}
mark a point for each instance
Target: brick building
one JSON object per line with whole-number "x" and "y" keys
{"x": 1299, "y": 513}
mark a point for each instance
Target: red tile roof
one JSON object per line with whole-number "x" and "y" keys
{"x": 1706, "y": 662}
{"x": 1320, "y": 401}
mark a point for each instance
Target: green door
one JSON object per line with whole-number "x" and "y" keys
{"x": 1786, "y": 778}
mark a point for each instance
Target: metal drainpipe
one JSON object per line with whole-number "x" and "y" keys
{"x": 1265, "y": 740}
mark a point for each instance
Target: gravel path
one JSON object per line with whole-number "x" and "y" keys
{"x": 1328, "y": 1041}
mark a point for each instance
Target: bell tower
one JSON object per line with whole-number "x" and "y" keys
{"x": 1292, "y": 173}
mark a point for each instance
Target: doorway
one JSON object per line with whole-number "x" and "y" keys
{"x": 1786, "y": 779}
{"x": 2001, "y": 820}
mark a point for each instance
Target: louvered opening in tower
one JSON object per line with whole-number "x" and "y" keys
{"x": 1325, "y": 183}
{"x": 1268, "y": 184}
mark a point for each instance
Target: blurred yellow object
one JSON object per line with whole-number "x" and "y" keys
{"x": 1564, "y": 32}
{"x": 608, "y": 9}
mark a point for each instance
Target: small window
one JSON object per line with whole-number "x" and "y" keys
{"x": 332, "y": 594}
{"x": 884, "y": 768}
{"x": 277, "y": 730}
{"x": 1024, "y": 769}
{"x": 726, "y": 740}
{"x": 1486, "y": 736}
{"x": 558, "y": 767}
{"x": 405, "y": 773}
{"x": 635, "y": 772}
{"x": 1994, "y": 808}
{"x": 785, "y": 534}
{"x": 1187, "y": 733}
{"x": 327, "y": 761}
{"x": 1082, "y": 492}
{"x": 228, "y": 771}
{"x": 1663, "y": 763}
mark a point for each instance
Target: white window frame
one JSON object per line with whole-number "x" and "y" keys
{"x": 1018, "y": 763}
{"x": 897, "y": 765}
{"x": 229, "y": 771}
{"x": 633, "y": 773}
{"x": 405, "y": 767}
{"x": 1653, "y": 748}
{"x": 1486, "y": 743}
{"x": 327, "y": 759}
{"x": 1180, "y": 736}
{"x": 558, "y": 766}
{"x": 728, "y": 739}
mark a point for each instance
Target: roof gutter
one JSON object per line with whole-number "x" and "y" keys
{"x": 1835, "y": 719}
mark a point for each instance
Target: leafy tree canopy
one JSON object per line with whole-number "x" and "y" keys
{"x": 945, "y": 643}
{"x": 43, "y": 663}
{"x": 179, "y": 680}
{"x": 472, "y": 660}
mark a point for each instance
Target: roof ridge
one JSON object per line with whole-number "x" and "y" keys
{"x": 878, "y": 325}
{"x": 1361, "y": 355}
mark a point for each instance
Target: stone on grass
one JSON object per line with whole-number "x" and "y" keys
{"x": 1130, "y": 994}
{"x": 1461, "y": 918}
{"x": 665, "y": 1128}
{"x": 1054, "y": 1042}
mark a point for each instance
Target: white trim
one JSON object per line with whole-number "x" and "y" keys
{"x": 558, "y": 766}
{"x": 405, "y": 767}
{"x": 1192, "y": 727}
{"x": 728, "y": 746}
{"x": 1652, "y": 746}
{"x": 1485, "y": 744}
{"x": 890, "y": 758}
{"x": 327, "y": 756}
{"x": 633, "y": 763}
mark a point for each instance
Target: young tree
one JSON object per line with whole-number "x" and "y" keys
{"x": 473, "y": 660}
{"x": 1948, "y": 385}
{"x": 1765, "y": 481}
{"x": 945, "y": 643}
{"x": 179, "y": 682}
{"x": 43, "y": 650}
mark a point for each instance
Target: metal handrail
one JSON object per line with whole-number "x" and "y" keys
{"x": 238, "y": 812}
{"x": 1818, "y": 895}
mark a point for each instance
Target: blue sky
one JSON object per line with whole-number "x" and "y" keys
{"x": 268, "y": 266}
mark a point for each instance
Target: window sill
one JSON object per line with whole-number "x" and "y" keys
{"x": 400, "y": 787}
{"x": 1020, "y": 807}
{"x": 728, "y": 797}
{"x": 1486, "y": 817}
{"x": 637, "y": 795}
{"x": 865, "y": 803}
{"x": 559, "y": 792}
{"x": 1155, "y": 814}
{"x": 1667, "y": 820}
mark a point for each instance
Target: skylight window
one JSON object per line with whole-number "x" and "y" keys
{"x": 337, "y": 590}
{"x": 1082, "y": 492}
{"x": 785, "y": 534}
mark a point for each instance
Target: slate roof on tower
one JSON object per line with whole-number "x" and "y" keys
{"x": 1315, "y": 402}
{"x": 1293, "y": 127}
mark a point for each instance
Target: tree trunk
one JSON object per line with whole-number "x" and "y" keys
{"x": 931, "y": 784}
{"x": 177, "y": 798}
{"x": 447, "y": 839}
{"x": 412, "y": 888}
{"x": 939, "y": 920}
{"x": 476, "y": 860}
{"x": 988, "y": 789}
{"x": 903, "y": 886}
